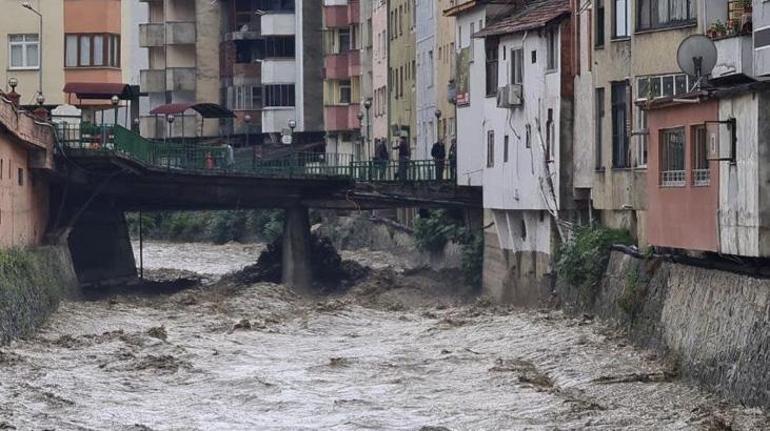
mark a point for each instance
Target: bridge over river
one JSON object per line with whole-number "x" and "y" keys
{"x": 107, "y": 170}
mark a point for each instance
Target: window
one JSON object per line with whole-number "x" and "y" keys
{"x": 491, "y": 67}
{"x": 275, "y": 47}
{"x": 246, "y": 98}
{"x": 24, "y": 50}
{"x": 400, "y": 20}
{"x": 599, "y": 39}
{"x": 701, "y": 176}
{"x": 275, "y": 5}
{"x": 672, "y": 173}
{"x": 505, "y": 149}
{"x": 21, "y": 176}
{"x": 344, "y": 40}
{"x": 620, "y": 25}
{"x": 620, "y": 156}
{"x": 279, "y": 95}
{"x": 517, "y": 66}
{"x": 598, "y": 126}
{"x": 553, "y": 49}
{"x": 490, "y": 148}
{"x": 641, "y": 137}
{"x": 653, "y": 87}
{"x": 430, "y": 68}
{"x": 664, "y": 13}
{"x": 528, "y": 136}
{"x": 345, "y": 92}
{"x": 87, "y": 50}
{"x": 550, "y": 135}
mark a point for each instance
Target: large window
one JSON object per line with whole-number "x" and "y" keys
{"x": 598, "y": 126}
{"x": 553, "y": 48}
{"x": 672, "y": 173}
{"x": 701, "y": 176}
{"x": 664, "y": 13}
{"x": 344, "y": 40}
{"x": 246, "y": 98}
{"x": 92, "y": 50}
{"x": 599, "y": 39}
{"x": 279, "y": 95}
{"x": 491, "y": 67}
{"x": 652, "y": 87}
{"x": 24, "y": 51}
{"x": 345, "y": 92}
{"x": 278, "y": 47}
{"x": 621, "y": 24}
{"x": 517, "y": 66}
{"x": 620, "y": 153}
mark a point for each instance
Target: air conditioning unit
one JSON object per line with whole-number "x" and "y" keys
{"x": 509, "y": 96}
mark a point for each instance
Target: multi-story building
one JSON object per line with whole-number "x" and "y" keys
{"x": 342, "y": 77}
{"x": 402, "y": 66}
{"x": 445, "y": 71}
{"x": 21, "y": 48}
{"x": 380, "y": 70}
{"x": 425, "y": 80}
{"x": 366, "y": 98}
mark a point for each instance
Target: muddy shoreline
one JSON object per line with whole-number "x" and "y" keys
{"x": 404, "y": 349}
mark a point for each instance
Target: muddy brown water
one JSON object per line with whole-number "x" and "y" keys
{"x": 381, "y": 357}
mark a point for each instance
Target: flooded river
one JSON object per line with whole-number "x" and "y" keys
{"x": 402, "y": 351}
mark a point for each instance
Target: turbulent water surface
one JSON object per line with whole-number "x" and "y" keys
{"x": 397, "y": 352}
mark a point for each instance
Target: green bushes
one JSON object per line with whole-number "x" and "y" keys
{"x": 31, "y": 284}
{"x": 581, "y": 260}
{"x": 473, "y": 258}
{"x": 211, "y": 226}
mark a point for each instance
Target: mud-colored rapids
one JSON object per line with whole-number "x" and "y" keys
{"x": 401, "y": 351}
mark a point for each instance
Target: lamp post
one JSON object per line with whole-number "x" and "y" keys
{"x": 115, "y": 100}
{"x": 40, "y": 112}
{"x": 438, "y": 118}
{"x": 292, "y": 126}
{"x": 360, "y": 117}
{"x": 13, "y": 95}
{"x": 170, "y": 119}
{"x": 26, "y": 5}
{"x": 247, "y": 121}
{"x": 368, "y": 106}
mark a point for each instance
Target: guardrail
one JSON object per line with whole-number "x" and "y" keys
{"x": 91, "y": 139}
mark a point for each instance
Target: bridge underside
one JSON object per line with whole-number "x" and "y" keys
{"x": 133, "y": 186}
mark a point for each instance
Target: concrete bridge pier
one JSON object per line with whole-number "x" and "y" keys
{"x": 101, "y": 248}
{"x": 297, "y": 271}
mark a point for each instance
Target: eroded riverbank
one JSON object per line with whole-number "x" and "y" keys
{"x": 396, "y": 352}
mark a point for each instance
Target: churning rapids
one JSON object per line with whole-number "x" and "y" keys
{"x": 402, "y": 350}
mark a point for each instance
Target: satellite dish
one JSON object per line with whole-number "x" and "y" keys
{"x": 697, "y": 55}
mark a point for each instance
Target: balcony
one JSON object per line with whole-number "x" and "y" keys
{"x": 180, "y": 78}
{"x": 247, "y": 72}
{"x": 278, "y": 24}
{"x": 341, "y": 117}
{"x": 342, "y": 66}
{"x": 734, "y": 57}
{"x": 180, "y": 33}
{"x": 151, "y": 34}
{"x": 279, "y": 71}
{"x": 152, "y": 80}
{"x": 343, "y": 15}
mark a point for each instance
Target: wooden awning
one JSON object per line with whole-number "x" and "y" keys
{"x": 206, "y": 110}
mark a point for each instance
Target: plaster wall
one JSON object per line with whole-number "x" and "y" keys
{"x": 427, "y": 56}
{"x": 380, "y": 69}
{"x": 583, "y": 137}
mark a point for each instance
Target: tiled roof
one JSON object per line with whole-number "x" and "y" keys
{"x": 536, "y": 14}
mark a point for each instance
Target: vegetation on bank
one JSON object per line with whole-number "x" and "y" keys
{"x": 582, "y": 259}
{"x": 434, "y": 230}
{"x": 209, "y": 226}
{"x": 31, "y": 284}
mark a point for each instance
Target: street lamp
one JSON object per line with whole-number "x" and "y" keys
{"x": 170, "y": 119}
{"x": 26, "y": 5}
{"x": 292, "y": 126}
{"x": 13, "y": 96}
{"x": 40, "y": 99}
{"x": 438, "y": 118}
{"x": 368, "y": 106}
{"x": 360, "y": 117}
{"x": 115, "y": 101}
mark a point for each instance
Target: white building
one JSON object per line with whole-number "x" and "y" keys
{"x": 521, "y": 89}
{"x": 426, "y": 85}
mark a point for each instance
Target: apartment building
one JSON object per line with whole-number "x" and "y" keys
{"x": 425, "y": 80}
{"x": 445, "y": 71}
{"x": 380, "y": 70}
{"x": 366, "y": 98}
{"x": 342, "y": 77}
{"x": 402, "y": 65}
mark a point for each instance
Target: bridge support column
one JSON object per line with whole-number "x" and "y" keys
{"x": 101, "y": 248}
{"x": 297, "y": 272}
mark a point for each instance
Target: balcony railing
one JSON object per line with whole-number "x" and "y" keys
{"x": 180, "y": 33}
{"x": 673, "y": 178}
{"x": 152, "y": 34}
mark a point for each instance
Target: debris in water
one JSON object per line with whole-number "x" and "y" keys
{"x": 163, "y": 363}
{"x": 243, "y": 324}
{"x": 6, "y": 426}
{"x": 158, "y": 332}
{"x": 432, "y": 428}
{"x": 68, "y": 341}
{"x": 339, "y": 362}
{"x": 526, "y": 370}
{"x": 654, "y": 377}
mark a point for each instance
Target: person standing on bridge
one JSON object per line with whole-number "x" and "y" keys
{"x": 453, "y": 159}
{"x": 381, "y": 158}
{"x": 438, "y": 152}
{"x": 404, "y": 155}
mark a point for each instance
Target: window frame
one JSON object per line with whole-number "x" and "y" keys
{"x": 517, "y": 66}
{"x": 700, "y": 172}
{"x": 672, "y": 177}
{"x": 491, "y": 66}
{"x": 110, "y": 50}
{"x": 552, "y": 49}
{"x": 654, "y": 7}
{"x": 620, "y": 141}
{"x": 616, "y": 35}
{"x": 24, "y": 44}
{"x": 283, "y": 93}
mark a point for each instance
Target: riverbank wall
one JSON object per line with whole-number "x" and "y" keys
{"x": 32, "y": 282}
{"x": 715, "y": 325}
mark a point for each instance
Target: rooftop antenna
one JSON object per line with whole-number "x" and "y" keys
{"x": 697, "y": 56}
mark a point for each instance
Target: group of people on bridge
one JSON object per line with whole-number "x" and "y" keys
{"x": 438, "y": 153}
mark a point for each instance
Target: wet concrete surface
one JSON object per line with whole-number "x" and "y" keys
{"x": 404, "y": 350}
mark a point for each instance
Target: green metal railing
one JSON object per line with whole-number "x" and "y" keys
{"x": 90, "y": 139}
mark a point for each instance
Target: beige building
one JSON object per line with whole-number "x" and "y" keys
{"x": 182, "y": 41}
{"x": 21, "y": 46}
{"x": 633, "y": 59}
{"x": 445, "y": 70}
{"x": 403, "y": 68}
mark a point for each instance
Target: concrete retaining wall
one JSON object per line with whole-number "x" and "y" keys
{"x": 32, "y": 282}
{"x": 716, "y": 324}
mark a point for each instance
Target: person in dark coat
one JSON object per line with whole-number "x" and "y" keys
{"x": 404, "y": 155}
{"x": 381, "y": 158}
{"x": 438, "y": 152}
{"x": 453, "y": 159}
